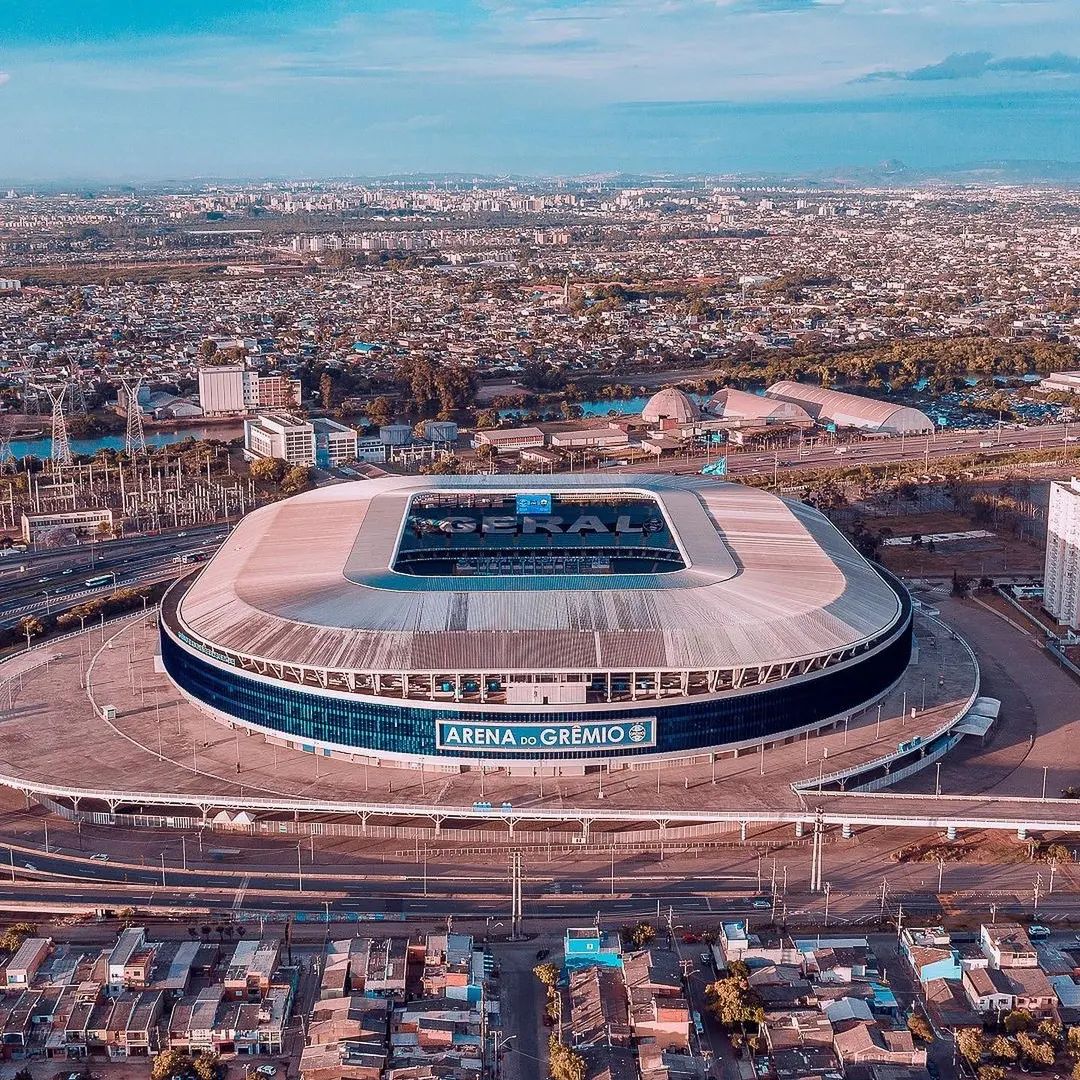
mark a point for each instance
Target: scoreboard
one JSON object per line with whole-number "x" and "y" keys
{"x": 533, "y": 503}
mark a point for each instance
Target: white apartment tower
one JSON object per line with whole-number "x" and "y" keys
{"x": 1061, "y": 578}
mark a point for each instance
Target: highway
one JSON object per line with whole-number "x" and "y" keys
{"x": 930, "y": 450}
{"x": 34, "y": 583}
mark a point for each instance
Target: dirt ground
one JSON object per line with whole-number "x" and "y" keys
{"x": 997, "y": 554}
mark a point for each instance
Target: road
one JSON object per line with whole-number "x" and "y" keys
{"x": 40, "y": 582}
{"x": 930, "y": 450}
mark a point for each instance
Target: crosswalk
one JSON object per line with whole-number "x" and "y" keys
{"x": 240, "y": 892}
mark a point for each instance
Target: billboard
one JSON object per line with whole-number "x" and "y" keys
{"x": 533, "y": 503}
{"x": 556, "y": 737}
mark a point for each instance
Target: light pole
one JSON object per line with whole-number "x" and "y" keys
{"x": 828, "y": 889}
{"x": 937, "y": 779}
{"x": 1045, "y": 769}
{"x": 163, "y": 869}
{"x": 299, "y": 868}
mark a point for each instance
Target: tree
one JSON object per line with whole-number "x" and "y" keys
{"x": 969, "y": 1045}
{"x": 733, "y": 1001}
{"x": 1035, "y": 1050}
{"x": 30, "y": 626}
{"x": 564, "y": 1063}
{"x": 991, "y": 1072}
{"x": 640, "y": 935}
{"x": 547, "y": 973}
{"x": 13, "y": 937}
{"x": 326, "y": 389}
{"x": 378, "y": 411}
{"x": 1072, "y": 1042}
{"x": 270, "y": 470}
{"x": 207, "y": 348}
{"x": 208, "y": 1066}
{"x": 1050, "y": 1030}
{"x": 1001, "y": 1049}
{"x": 169, "y": 1064}
{"x": 920, "y": 1028}
{"x": 296, "y": 479}
{"x": 1017, "y": 1020}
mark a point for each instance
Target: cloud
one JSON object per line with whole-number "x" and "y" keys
{"x": 976, "y": 65}
{"x": 4, "y": 77}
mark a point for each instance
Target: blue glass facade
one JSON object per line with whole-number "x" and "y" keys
{"x": 682, "y": 726}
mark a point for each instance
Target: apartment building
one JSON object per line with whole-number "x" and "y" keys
{"x": 1061, "y": 574}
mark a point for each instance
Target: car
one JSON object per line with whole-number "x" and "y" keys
{"x": 67, "y": 571}
{"x": 266, "y": 1070}
{"x": 1037, "y": 931}
{"x": 542, "y": 954}
{"x": 761, "y": 904}
{"x": 706, "y": 959}
{"x": 41, "y": 579}
{"x": 99, "y": 857}
{"x": 29, "y": 866}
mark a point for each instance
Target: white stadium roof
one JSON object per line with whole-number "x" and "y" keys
{"x": 308, "y": 581}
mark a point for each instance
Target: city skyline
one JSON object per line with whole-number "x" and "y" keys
{"x": 320, "y": 87}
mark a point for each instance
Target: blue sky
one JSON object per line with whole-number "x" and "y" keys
{"x": 152, "y": 89}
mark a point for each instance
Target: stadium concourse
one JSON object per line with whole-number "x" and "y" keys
{"x": 94, "y": 726}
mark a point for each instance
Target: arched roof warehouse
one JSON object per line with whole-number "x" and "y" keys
{"x": 853, "y": 410}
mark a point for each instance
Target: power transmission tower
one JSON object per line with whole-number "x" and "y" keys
{"x": 134, "y": 438}
{"x": 30, "y": 393}
{"x": 7, "y": 458}
{"x": 61, "y": 447}
{"x": 76, "y": 393}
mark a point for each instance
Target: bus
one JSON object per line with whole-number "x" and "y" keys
{"x": 97, "y": 582}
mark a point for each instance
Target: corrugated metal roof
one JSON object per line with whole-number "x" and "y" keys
{"x": 850, "y": 410}
{"x": 308, "y": 581}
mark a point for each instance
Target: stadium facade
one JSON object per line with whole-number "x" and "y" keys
{"x": 458, "y": 620}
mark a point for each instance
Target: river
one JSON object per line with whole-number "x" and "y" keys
{"x": 41, "y": 448}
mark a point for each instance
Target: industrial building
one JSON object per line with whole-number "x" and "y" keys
{"x": 467, "y": 619}
{"x": 229, "y": 390}
{"x": 739, "y": 407}
{"x": 670, "y": 407}
{"x": 297, "y": 441}
{"x": 1061, "y": 577}
{"x": 852, "y": 410}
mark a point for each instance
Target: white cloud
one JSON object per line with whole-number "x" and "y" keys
{"x": 4, "y": 77}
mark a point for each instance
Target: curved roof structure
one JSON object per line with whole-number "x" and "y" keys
{"x": 852, "y": 410}
{"x": 670, "y": 404}
{"x": 311, "y": 581}
{"x": 732, "y": 404}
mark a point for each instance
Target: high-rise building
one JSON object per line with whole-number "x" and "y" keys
{"x": 1061, "y": 579}
{"x": 223, "y": 390}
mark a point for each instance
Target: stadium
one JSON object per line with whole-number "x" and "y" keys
{"x": 464, "y": 621}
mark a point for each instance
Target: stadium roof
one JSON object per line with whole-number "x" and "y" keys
{"x": 852, "y": 410}
{"x": 308, "y": 581}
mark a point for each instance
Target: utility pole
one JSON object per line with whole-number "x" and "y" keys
{"x": 1036, "y": 890}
